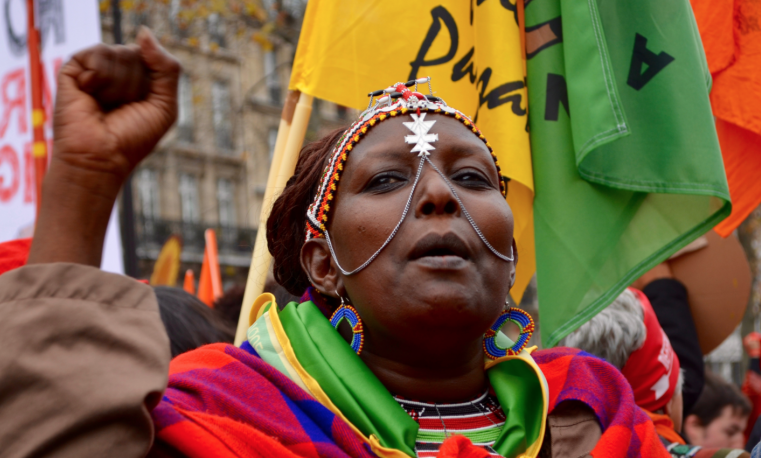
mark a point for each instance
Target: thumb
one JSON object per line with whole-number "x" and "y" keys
{"x": 165, "y": 70}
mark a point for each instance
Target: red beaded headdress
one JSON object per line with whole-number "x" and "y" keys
{"x": 397, "y": 100}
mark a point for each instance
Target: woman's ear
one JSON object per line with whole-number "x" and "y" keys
{"x": 316, "y": 262}
{"x": 693, "y": 430}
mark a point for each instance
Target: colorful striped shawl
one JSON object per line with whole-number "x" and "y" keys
{"x": 224, "y": 401}
{"x": 575, "y": 375}
{"x": 301, "y": 343}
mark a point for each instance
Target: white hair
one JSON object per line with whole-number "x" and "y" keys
{"x": 614, "y": 333}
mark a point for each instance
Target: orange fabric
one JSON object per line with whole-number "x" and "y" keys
{"x": 714, "y": 18}
{"x": 736, "y": 92}
{"x": 741, "y": 150}
{"x": 204, "y": 283}
{"x": 665, "y": 427}
{"x": 210, "y": 281}
{"x": 731, "y": 35}
{"x": 189, "y": 284}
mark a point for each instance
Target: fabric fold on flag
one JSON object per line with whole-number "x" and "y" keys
{"x": 627, "y": 165}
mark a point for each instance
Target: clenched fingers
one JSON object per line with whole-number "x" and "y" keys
{"x": 112, "y": 75}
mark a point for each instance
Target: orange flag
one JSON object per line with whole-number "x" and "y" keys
{"x": 210, "y": 281}
{"x": 732, "y": 40}
{"x": 189, "y": 284}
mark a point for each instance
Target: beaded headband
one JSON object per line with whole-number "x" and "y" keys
{"x": 396, "y": 100}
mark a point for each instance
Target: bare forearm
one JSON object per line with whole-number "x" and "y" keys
{"x": 113, "y": 105}
{"x": 76, "y": 206}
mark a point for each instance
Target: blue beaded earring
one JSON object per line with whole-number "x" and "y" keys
{"x": 520, "y": 318}
{"x": 349, "y": 313}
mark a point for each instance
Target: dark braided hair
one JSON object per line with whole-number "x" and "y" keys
{"x": 286, "y": 225}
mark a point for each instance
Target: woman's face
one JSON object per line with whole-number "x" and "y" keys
{"x": 436, "y": 284}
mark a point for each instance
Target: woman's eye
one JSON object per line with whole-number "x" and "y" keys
{"x": 385, "y": 182}
{"x": 472, "y": 179}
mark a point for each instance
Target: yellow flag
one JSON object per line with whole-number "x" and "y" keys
{"x": 471, "y": 50}
{"x": 167, "y": 265}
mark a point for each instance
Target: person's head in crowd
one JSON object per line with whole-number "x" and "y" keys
{"x": 719, "y": 417}
{"x": 228, "y": 306}
{"x": 627, "y": 335}
{"x": 189, "y": 322}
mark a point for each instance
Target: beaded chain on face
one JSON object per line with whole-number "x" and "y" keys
{"x": 396, "y": 100}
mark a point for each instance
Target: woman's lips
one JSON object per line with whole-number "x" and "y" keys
{"x": 448, "y": 262}
{"x": 440, "y": 246}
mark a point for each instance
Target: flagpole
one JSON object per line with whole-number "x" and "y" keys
{"x": 290, "y": 137}
{"x": 39, "y": 146}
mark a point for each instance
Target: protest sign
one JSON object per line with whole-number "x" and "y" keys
{"x": 66, "y": 26}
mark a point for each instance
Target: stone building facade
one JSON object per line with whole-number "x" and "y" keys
{"x": 210, "y": 170}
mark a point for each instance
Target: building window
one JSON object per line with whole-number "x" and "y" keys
{"x": 226, "y": 202}
{"x": 179, "y": 29}
{"x": 189, "y": 205}
{"x": 273, "y": 80}
{"x": 140, "y": 16}
{"x": 148, "y": 189}
{"x": 221, "y": 113}
{"x": 216, "y": 30}
{"x": 185, "y": 109}
{"x": 271, "y": 141}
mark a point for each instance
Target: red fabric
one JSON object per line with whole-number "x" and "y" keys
{"x": 752, "y": 388}
{"x": 752, "y": 384}
{"x": 225, "y": 402}
{"x": 752, "y": 344}
{"x": 653, "y": 369}
{"x": 13, "y": 254}
{"x": 461, "y": 447}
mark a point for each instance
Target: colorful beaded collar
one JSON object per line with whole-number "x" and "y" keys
{"x": 397, "y": 100}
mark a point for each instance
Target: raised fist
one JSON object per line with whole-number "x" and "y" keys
{"x": 114, "y": 103}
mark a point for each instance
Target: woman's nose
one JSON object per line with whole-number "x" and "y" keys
{"x": 435, "y": 197}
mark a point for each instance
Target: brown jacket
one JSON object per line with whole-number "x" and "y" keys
{"x": 84, "y": 357}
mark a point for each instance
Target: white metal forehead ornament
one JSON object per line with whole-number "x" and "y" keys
{"x": 422, "y": 138}
{"x": 394, "y": 101}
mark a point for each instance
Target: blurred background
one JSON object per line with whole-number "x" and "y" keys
{"x": 210, "y": 171}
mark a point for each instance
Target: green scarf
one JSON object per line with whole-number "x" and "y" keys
{"x": 300, "y": 342}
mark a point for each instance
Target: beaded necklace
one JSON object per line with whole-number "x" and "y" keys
{"x": 480, "y": 420}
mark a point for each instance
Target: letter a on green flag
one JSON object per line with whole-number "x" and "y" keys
{"x": 627, "y": 166}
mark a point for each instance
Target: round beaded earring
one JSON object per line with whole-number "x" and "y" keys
{"x": 522, "y": 319}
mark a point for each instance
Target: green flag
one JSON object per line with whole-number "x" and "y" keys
{"x": 627, "y": 165}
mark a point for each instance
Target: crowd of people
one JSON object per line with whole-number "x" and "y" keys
{"x": 402, "y": 263}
